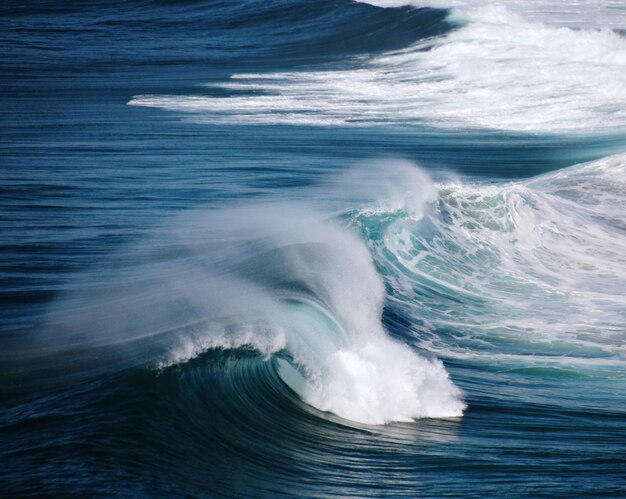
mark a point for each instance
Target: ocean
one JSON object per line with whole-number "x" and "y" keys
{"x": 298, "y": 248}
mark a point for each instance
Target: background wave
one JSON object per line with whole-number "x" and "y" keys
{"x": 496, "y": 70}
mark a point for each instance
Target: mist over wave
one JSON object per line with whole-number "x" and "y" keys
{"x": 295, "y": 282}
{"x": 273, "y": 276}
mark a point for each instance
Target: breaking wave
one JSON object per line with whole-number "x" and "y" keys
{"x": 491, "y": 68}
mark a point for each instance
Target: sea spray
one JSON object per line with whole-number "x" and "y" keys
{"x": 280, "y": 277}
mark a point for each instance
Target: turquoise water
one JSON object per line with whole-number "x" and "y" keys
{"x": 312, "y": 249}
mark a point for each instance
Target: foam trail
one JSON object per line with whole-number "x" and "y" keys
{"x": 497, "y": 70}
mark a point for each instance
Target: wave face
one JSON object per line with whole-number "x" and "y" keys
{"x": 496, "y": 70}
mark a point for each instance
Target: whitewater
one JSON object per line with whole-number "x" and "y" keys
{"x": 494, "y": 70}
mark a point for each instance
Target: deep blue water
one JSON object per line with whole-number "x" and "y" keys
{"x": 312, "y": 249}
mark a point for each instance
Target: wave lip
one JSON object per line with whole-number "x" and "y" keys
{"x": 326, "y": 300}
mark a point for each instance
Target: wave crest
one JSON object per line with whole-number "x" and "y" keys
{"x": 496, "y": 70}
{"x": 528, "y": 272}
{"x": 279, "y": 277}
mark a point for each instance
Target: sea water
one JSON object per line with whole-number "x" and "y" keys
{"x": 313, "y": 249}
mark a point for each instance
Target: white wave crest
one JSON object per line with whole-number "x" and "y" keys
{"x": 580, "y": 13}
{"x": 277, "y": 277}
{"x": 497, "y": 71}
{"x": 532, "y": 272}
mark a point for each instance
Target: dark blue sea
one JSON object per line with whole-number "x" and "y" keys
{"x": 312, "y": 248}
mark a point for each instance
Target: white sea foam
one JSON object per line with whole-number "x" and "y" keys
{"x": 498, "y": 70}
{"x": 381, "y": 381}
{"x": 579, "y": 13}
{"x": 532, "y": 271}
